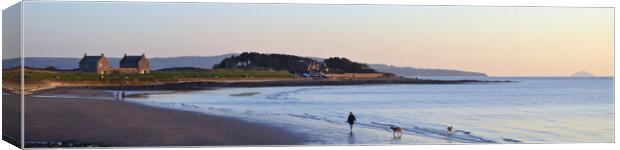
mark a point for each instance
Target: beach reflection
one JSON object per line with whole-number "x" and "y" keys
{"x": 351, "y": 139}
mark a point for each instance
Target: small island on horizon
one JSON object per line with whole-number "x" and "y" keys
{"x": 582, "y": 74}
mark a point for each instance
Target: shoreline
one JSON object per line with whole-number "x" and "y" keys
{"x": 56, "y": 116}
{"x": 34, "y": 87}
{"x": 97, "y": 122}
{"x": 210, "y": 85}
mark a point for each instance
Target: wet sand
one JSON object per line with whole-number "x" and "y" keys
{"x": 118, "y": 123}
{"x": 11, "y": 117}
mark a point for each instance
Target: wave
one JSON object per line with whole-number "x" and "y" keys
{"x": 218, "y": 109}
{"x": 285, "y": 95}
{"x": 307, "y": 116}
{"x": 458, "y": 135}
{"x": 435, "y": 131}
{"x": 188, "y": 105}
{"x": 259, "y": 113}
{"x": 430, "y": 130}
{"x": 511, "y": 140}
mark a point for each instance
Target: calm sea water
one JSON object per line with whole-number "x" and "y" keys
{"x": 531, "y": 110}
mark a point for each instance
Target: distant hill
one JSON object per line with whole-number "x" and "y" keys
{"x": 292, "y": 63}
{"x": 183, "y": 69}
{"x": 42, "y": 62}
{"x": 259, "y": 60}
{"x": 207, "y": 62}
{"x": 582, "y": 74}
{"x": 156, "y": 63}
{"x": 410, "y": 71}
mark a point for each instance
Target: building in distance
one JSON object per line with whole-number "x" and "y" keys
{"x": 98, "y": 64}
{"x": 134, "y": 64}
{"x": 128, "y": 65}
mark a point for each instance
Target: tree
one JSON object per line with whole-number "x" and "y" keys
{"x": 344, "y": 65}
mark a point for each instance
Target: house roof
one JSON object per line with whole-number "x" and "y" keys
{"x": 90, "y": 59}
{"x": 131, "y": 59}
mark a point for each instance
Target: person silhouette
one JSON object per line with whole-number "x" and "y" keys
{"x": 351, "y": 120}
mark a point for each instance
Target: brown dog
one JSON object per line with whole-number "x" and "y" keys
{"x": 398, "y": 132}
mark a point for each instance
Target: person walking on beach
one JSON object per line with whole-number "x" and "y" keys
{"x": 351, "y": 120}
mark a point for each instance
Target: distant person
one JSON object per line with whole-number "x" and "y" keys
{"x": 351, "y": 120}
{"x": 117, "y": 95}
{"x": 449, "y": 130}
{"x": 123, "y": 95}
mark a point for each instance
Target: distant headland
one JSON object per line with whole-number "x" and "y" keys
{"x": 207, "y": 62}
{"x": 582, "y": 74}
{"x": 249, "y": 69}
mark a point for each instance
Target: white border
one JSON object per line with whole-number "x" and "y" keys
{"x": 570, "y": 3}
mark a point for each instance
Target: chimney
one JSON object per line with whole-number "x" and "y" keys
{"x": 125, "y": 55}
{"x": 85, "y": 55}
{"x": 101, "y": 54}
{"x": 142, "y": 54}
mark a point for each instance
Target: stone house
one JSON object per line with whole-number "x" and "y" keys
{"x": 98, "y": 64}
{"x": 134, "y": 64}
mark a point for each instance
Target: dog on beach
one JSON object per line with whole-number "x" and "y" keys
{"x": 398, "y": 132}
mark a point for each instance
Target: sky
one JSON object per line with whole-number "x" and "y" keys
{"x": 499, "y": 41}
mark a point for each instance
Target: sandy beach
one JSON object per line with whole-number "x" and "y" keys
{"x": 11, "y": 119}
{"x": 118, "y": 123}
{"x": 90, "y": 116}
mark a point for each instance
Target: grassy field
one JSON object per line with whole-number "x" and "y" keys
{"x": 45, "y": 75}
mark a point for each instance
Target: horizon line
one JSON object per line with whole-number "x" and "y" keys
{"x": 390, "y": 65}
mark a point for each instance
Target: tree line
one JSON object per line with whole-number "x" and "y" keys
{"x": 292, "y": 63}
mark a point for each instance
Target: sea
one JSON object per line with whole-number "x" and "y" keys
{"x": 527, "y": 110}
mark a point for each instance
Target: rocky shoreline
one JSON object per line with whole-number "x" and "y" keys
{"x": 206, "y": 85}
{"x": 31, "y": 88}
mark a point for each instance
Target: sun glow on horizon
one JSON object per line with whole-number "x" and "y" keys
{"x": 499, "y": 41}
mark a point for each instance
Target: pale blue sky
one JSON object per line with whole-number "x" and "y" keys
{"x": 495, "y": 40}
